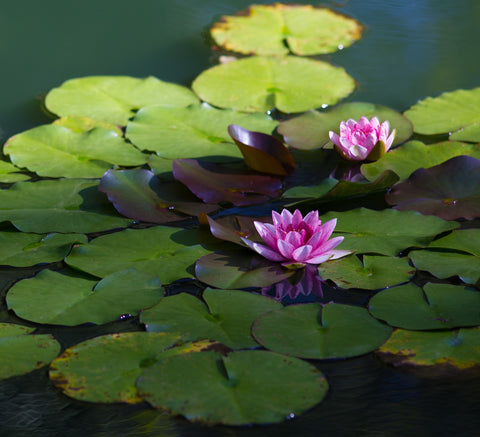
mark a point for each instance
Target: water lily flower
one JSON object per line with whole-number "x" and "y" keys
{"x": 296, "y": 241}
{"x": 362, "y": 140}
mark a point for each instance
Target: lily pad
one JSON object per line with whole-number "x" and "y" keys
{"x": 448, "y": 112}
{"x": 414, "y": 155}
{"x": 225, "y": 316}
{"x": 233, "y": 227}
{"x": 437, "y": 306}
{"x": 373, "y": 273}
{"x": 278, "y": 28}
{"x": 245, "y": 387}
{"x": 56, "y": 151}
{"x": 9, "y": 173}
{"x": 312, "y": 191}
{"x": 260, "y": 84}
{"x": 64, "y": 205}
{"x": 468, "y": 133}
{"x": 465, "y": 240}
{"x": 241, "y": 269}
{"x": 437, "y": 352}
{"x": 310, "y": 130}
{"x": 114, "y": 99}
{"x": 59, "y": 299}
{"x": 77, "y": 123}
{"x": 450, "y": 190}
{"x": 160, "y": 251}
{"x": 20, "y": 249}
{"x": 316, "y": 331}
{"x": 21, "y": 353}
{"x": 192, "y": 132}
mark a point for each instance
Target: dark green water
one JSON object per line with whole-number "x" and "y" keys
{"x": 410, "y": 49}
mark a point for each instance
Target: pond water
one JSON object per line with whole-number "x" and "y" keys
{"x": 410, "y": 49}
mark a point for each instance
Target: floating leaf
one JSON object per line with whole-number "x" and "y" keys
{"x": 56, "y": 151}
{"x": 160, "y": 251}
{"x": 64, "y": 205}
{"x": 316, "y": 331}
{"x": 290, "y": 84}
{"x": 21, "y": 353}
{"x": 413, "y": 155}
{"x": 233, "y": 227}
{"x": 373, "y": 273}
{"x": 79, "y": 124}
{"x": 465, "y": 240}
{"x": 226, "y": 316}
{"x": 135, "y": 194}
{"x": 387, "y": 232}
{"x": 9, "y": 173}
{"x": 310, "y": 130}
{"x": 437, "y": 352}
{"x": 114, "y": 99}
{"x": 275, "y": 29}
{"x": 313, "y": 191}
{"x": 192, "y": 132}
{"x": 467, "y": 133}
{"x": 207, "y": 182}
{"x": 242, "y": 388}
{"x": 437, "y": 306}
{"x": 446, "y": 113}
{"x": 262, "y": 152}
{"x": 58, "y": 299}
{"x": 450, "y": 190}
{"x": 240, "y": 269}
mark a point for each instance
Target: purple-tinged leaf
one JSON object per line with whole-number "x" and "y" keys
{"x": 450, "y": 190}
{"x": 211, "y": 186}
{"x": 233, "y": 227}
{"x": 262, "y": 152}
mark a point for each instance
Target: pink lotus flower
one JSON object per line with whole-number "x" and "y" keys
{"x": 296, "y": 241}
{"x": 357, "y": 141}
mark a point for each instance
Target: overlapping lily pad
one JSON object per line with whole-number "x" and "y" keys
{"x": 316, "y": 331}
{"x": 168, "y": 253}
{"x": 450, "y": 190}
{"x": 278, "y": 28}
{"x": 244, "y": 387}
{"x": 56, "y": 151}
{"x": 290, "y": 84}
{"x": 61, "y": 299}
{"x": 78, "y": 123}
{"x": 114, "y": 99}
{"x": 437, "y": 306}
{"x": 9, "y": 173}
{"x": 310, "y": 130}
{"x": 21, "y": 353}
{"x": 64, "y": 205}
{"x": 465, "y": 240}
{"x": 225, "y": 316}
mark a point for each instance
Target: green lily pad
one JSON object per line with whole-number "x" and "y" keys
{"x": 310, "y": 130}
{"x": 114, "y": 99}
{"x": 277, "y": 29}
{"x": 77, "y": 123}
{"x": 19, "y": 249}
{"x": 373, "y": 273}
{"x": 64, "y": 205}
{"x": 386, "y": 232}
{"x": 196, "y": 131}
{"x": 437, "y": 306}
{"x": 260, "y": 84}
{"x": 465, "y": 240}
{"x": 59, "y": 299}
{"x": 467, "y": 133}
{"x": 316, "y": 331}
{"x": 56, "y": 151}
{"x": 226, "y": 316}
{"x": 165, "y": 252}
{"x": 9, "y": 173}
{"x": 245, "y": 387}
{"x": 448, "y": 112}
{"x": 414, "y": 155}
{"x": 436, "y": 352}
{"x": 21, "y": 353}
{"x": 313, "y": 191}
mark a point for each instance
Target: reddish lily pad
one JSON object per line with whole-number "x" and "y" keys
{"x": 233, "y": 227}
{"x": 450, "y": 190}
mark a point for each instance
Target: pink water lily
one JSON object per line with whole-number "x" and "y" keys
{"x": 357, "y": 140}
{"x": 296, "y": 241}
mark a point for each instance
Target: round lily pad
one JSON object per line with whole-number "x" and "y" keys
{"x": 316, "y": 331}
{"x": 9, "y": 173}
{"x": 78, "y": 123}
{"x": 21, "y": 353}
{"x": 437, "y": 306}
{"x": 277, "y": 29}
{"x": 226, "y": 316}
{"x": 465, "y": 240}
{"x": 59, "y": 299}
{"x": 245, "y": 387}
{"x": 113, "y": 99}
{"x": 290, "y": 84}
